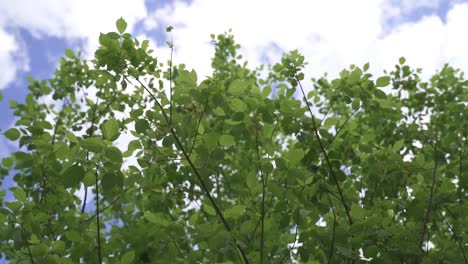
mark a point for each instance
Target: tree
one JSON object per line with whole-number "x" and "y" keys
{"x": 235, "y": 168}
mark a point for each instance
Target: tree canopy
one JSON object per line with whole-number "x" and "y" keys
{"x": 126, "y": 159}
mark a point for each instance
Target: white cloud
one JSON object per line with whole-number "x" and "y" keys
{"x": 70, "y": 19}
{"x": 12, "y": 58}
{"x": 331, "y": 34}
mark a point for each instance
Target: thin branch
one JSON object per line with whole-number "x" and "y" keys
{"x": 262, "y": 228}
{"x": 98, "y": 217}
{"x": 341, "y": 128}
{"x": 170, "y": 79}
{"x": 429, "y": 204}
{"x": 332, "y": 243}
{"x": 326, "y": 113}
{"x": 459, "y": 242}
{"x": 295, "y": 239}
{"x": 27, "y": 245}
{"x": 198, "y": 125}
{"x": 93, "y": 120}
{"x": 195, "y": 171}
{"x": 103, "y": 209}
{"x": 330, "y": 167}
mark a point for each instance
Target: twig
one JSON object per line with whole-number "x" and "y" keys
{"x": 195, "y": 170}
{"x": 429, "y": 204}
{"x": 295, "y": 239}
{"x": 330, "y": 167}
{"x": 332, "y": 243}
{"x": 198, "y": 125}
{"x": 341, "y": 128}
{"x": 98, "y": 217}
{"x": 262, "y": 228}
{"x": 459, "y": 243}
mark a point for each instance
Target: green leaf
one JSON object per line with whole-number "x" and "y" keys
{"x": 211, "y": 140}
{"x": 89, "y": 179}
{"x": 151, "y": 217}
{"x": 210, "y": 210}
{"x": 111, "y": 180}
{"x": 93, "y": 144}
{"x": 7, "y": 162}
{"x": 14, "y": 206}
{"x": 141, "y": 126}
{"x": 19, "y": 194}
{"x": 73, "y": 235}
{"x": 295, "y": 155}
{"x": 227, "y": 140}
{"x": 39, "y": 250}
{"x": 110, "y": 129}
{"x": 382, "y": 81}
{"x": 237, "y": 105}
{"x": 12, "y": 134}
{"x": 121, "y": 25}
{"x": 113, "y": 154}
{"x": 402, "y": 60}
{"x": 355, "y": 76}
{"x": 69, "y": 53}
{"x": 58, "y": 246}
{"x": 73, "y": 176}
{"x": 128, "y": 257}
{"x": 72, "y": 138}
{"x": 380, "y": 94}
{"x": 366, "y": 67}
{"x": 235, "y": 211}
{"x": 219, "y": 111}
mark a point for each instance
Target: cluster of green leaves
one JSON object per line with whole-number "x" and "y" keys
{"x": 235, "y": 168}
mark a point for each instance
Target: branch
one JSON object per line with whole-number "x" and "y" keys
{"x": 97, "y": 217}
{"x": 332, "y": 243}
{"x": 27, "y": 245}
{"x": 103, "y": 209}
{"x": 262, "y": 228}
{"x": 459, "y": 243}
{"x": 429, "y": 204}
{"x": 198, "y": 125}
{"x": 322, "y": 148}
{"x": 341, "y": 128}
{"x": 295, "y": 239}
{"x": 93, "y": 120}
{"x": 170, "y": 79}
{"x": 195, "y": 171}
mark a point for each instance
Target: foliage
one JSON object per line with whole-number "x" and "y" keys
{"x": 235, "y": 168}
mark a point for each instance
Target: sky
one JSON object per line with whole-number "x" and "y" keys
{"x": 331, "y": 34}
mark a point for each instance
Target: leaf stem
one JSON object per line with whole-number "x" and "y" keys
{"x": 330, "y": 167}
{"x": 262, "y": 227}
{"x": 196, "y": 172}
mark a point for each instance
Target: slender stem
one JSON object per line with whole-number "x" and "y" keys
{"x": 103, "y": 209}
{"x": 262, "y": 228}
{"x": 326, "y": 113}
{"x": 198, "y": 125}
{"x": 330, "y": 167}
{"x": 332, "y": 243}
{"x": 170, "y": 80}
{"x": 459, "y": 243}
{"x": 195, "y": 171}
{"x": 93, "y": 120}
{"x": 429, "y": 204}
{"x": 295, "y": 239}
{"x": 341, "y": 128}
{"x": 27, "y": 245}
{"x": 98, "y": 218}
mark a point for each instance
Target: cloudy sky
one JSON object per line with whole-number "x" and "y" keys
{"x": 332, "y": 34}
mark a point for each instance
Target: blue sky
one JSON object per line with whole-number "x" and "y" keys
{"x": 332, "y": 34}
